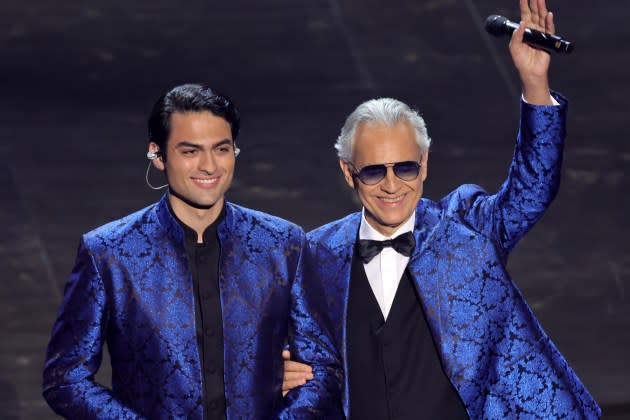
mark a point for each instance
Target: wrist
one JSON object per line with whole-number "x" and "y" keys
{"x": 536, "y": 91}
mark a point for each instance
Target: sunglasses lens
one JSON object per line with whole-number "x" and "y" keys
{"x": 407, "y": 170}
{"x": 372, "y": 174}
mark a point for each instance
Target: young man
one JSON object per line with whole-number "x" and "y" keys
{"x": 429, "y": 323}
{"x": 194, "y": 296}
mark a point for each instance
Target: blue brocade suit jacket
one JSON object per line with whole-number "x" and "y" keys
{"x": 132, "y": 288}
{"x": 492, "y": 348}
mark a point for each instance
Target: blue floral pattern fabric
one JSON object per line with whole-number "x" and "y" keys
{"x": 131, "y": 288}
{"x": 493, "y": 349}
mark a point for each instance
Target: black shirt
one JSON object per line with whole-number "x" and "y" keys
{"x": 204, "y": 266}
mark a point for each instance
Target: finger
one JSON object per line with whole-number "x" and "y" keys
{"x": 550, "y": 26}
{"x": 291, "y": 366}
{"x": 542, "y": 14}
{"x": 517, "y": 35}
{"x": 289, "y": 380}
{"x": 525, "y": 12}
{"x": 539, "y": 11}
{"x": 297, "y": 376}
{"x": 286, "y": 354}
{"x": 516, "y": 43}
{"x": 542, "y": 8}
{"x": 298, "y": 370}
{"x": 534, "y": 10}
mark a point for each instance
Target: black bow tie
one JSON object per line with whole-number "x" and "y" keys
{"x": 403, "y": 244}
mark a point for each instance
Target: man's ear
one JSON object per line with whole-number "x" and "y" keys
{"x": 347, "y": 173}
{"x": 425, "y": 166}
{"x": 155, "y": 155}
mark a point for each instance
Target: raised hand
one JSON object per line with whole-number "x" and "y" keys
{"x": 532, "y": 63}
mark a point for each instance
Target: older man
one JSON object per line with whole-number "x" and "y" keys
{"x": 429, "y": 324}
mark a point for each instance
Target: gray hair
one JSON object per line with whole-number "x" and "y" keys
{"x": 382, "y": 110}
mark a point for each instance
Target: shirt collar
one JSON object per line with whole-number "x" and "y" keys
{"x": 368, "y": 232}
{"x": 190, "y": 235}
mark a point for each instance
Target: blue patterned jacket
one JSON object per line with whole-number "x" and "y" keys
{"x": 131, "y": 288}
{"x": 493, "y": 349}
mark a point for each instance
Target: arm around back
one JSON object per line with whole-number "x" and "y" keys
{"x": 311, "y": 341}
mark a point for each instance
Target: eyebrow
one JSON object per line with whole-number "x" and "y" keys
{"x": 199, "y": 146}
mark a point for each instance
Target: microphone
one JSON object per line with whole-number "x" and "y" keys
{"x": 499, "y": 25}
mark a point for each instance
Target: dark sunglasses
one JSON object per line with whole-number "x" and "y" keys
{"x": 373, "y": 174}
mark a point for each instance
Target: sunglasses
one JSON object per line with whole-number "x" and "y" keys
{"x": 373, "y": 174}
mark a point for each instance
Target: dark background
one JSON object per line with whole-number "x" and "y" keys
{"x": 77, "y": 80}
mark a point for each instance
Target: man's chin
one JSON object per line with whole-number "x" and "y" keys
{"x": 385, "y": 224}
{"x": 193, "y": 202}
{"x": 394, "y": 221}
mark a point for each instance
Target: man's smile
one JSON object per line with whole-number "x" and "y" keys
{"x": 206, "y": 183}
{"x": 392, "y": 201}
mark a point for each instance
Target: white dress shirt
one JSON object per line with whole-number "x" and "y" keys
{"x": 386, "y": 269}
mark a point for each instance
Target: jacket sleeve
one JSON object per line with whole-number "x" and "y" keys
{"x": 75, "y": 350}
{"x": 311, "y": 342}
{"x": 533, "y": 179}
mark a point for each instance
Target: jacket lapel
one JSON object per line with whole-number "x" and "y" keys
{"x": 429, "y": 267}
{"x": 447, "y": 282}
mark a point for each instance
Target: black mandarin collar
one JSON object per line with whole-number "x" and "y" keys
{"x": 209, "y": 234}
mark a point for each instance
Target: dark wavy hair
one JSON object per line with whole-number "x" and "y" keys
{"x": 189, "y": 98}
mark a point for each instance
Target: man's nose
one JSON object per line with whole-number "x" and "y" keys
{"x": 391, "y": 182}
{"x": 207, "y": 162}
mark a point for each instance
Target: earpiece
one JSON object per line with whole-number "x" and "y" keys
{"x": 237, "y": 151}
{"x": 152, "y": 155}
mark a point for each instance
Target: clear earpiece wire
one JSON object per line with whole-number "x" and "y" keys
{"x": 146, "y": 178}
